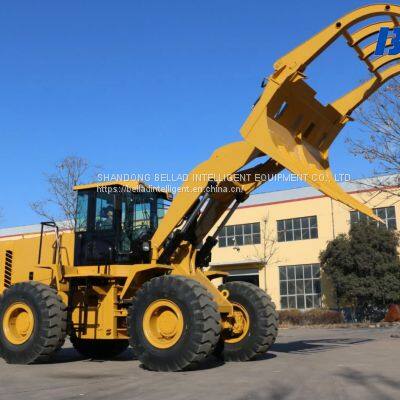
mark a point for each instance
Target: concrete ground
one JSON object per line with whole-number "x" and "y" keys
{"x": 303, "y": 364}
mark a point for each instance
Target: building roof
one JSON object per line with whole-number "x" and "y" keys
{"x": 309, "y": 192}
{"x": 263, "y": 198}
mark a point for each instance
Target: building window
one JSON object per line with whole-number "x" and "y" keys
{"x": 387, "y": 214}
{"x": 297, "y": 229}
{"x": 239, "y": 235}
{"x": 300, "y": 286}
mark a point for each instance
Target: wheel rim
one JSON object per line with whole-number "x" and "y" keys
{"x": 18, "y": 323}
{"x": 240, "y": 326}
{"x": 163, "y": 323}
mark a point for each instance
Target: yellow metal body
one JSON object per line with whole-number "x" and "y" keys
{"x": 287, "y": 126}
{"x": 95, "y": 312}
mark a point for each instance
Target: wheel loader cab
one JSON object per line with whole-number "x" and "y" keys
{"x": 115, "y": 223}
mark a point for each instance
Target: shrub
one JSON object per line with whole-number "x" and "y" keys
{"x": 321, "y": 317}
{"x": 290, "y": 317}
{"x": 310, "y": 317}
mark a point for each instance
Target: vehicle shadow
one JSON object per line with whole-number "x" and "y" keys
{"x": 316, "y": 345}
{"x": 214, "y": 362}
{"x": 69, "y": 354}
{"x": 208, "y": 363}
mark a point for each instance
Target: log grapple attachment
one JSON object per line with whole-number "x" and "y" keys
{"x": 292, "y": 127}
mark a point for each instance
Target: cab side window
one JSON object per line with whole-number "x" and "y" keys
{"x": 105, "y": 212}
{"x": 81, "y": 223}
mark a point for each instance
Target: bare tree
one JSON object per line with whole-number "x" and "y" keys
{"x": 61, "y": 203}
{"x": 380, "y": 117}
{"x": 266, "y": 250}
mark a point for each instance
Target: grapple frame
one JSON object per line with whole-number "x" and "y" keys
{"x": 294, "y": 128}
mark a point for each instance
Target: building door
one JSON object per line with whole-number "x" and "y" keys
{"x": 245, "y": 275}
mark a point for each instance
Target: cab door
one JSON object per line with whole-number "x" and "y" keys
{"x": 95, "y": 232}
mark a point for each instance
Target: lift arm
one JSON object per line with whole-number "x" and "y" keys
{"x": 289, "y": 127}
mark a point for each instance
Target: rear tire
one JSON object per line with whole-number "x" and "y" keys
{"x": 33, "y": 322}
{"x": 174, "y": 324}
{"x": 99, "y": 348}
{"x": 262, "y": 327}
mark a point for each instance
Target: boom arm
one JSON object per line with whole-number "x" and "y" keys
{"x": 290, "y": 127}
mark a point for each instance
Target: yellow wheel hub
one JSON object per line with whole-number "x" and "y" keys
{"x": 163, "y": 323}
{"x": 18, "y": 323}
{"x": 238, "y": 326}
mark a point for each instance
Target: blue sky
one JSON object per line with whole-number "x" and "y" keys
{"x": 147, "y": 86}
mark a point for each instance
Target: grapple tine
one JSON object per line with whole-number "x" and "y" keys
{"x": 302, "y": 159}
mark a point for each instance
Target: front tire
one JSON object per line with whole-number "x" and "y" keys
{"x": 33, "y": 322}
{"x": 255, "y": 327}
{"x": 174, "y": 324}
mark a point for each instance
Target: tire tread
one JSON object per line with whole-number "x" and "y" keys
{"x": 206, "y": 324}
{"x": 267, "y": 320}
{"x": 53, "y": 329}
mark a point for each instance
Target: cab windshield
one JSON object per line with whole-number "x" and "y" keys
{"x": 140, "y": 216}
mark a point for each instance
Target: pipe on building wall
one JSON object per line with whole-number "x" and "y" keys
{"x": 333, "y": 220}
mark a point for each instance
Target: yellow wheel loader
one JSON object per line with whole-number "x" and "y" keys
{"x": 132, "y": 274}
